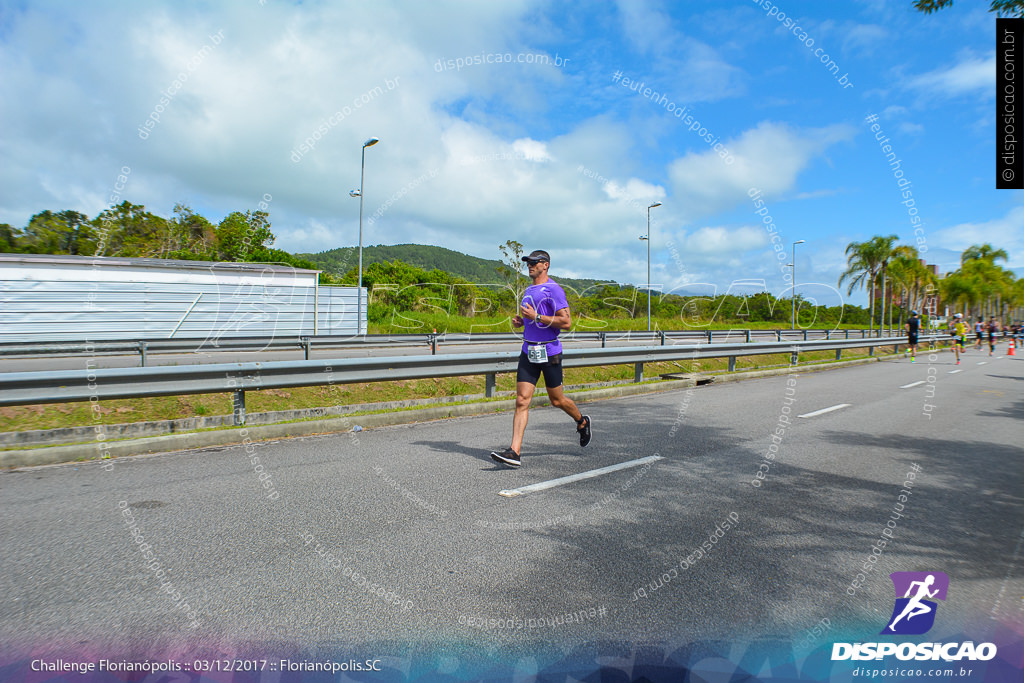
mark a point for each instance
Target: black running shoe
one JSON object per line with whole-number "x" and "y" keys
{"x": 583, "y": 427}
{"x": 506, "y": 457}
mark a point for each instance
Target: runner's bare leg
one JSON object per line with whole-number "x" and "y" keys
{"x": 524, "y": 394}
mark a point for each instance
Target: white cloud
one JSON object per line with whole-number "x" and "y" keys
{"x": 970, "y": 75}
{"x": 1005, "y": 232}
{"x": 723, "y": 241}
{"x": 768, "y": 157}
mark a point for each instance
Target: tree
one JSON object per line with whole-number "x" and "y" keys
{"x": 240, "y": 235}
{"x": 983, "y": 252}
{"x": 56, "y": 233}
{"x": 957, "y": 290}
{"x": 8, "y": 239}
{"x": 190, "y": 236}
{"x": 1000, "y": 7}
{"x": 865, "y": 263}
{"x": 511, "y": 269}
{"x": 907, "y": 273}
{"x": 129, "y": 230}
{"x": 885, "y": 250}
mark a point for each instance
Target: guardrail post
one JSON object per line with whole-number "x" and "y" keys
{"x": 638, "y": 372}
{"x": 828, "y": 335}
{"x": 863, "y": 334}
{"x": 489, "y": 385}
{"x": 238, "y": 407}
{"x": 805, "y": 335}
{"x": 433, "y": 345}
{"x": 732, "y": 363}
{"x": 602, "y": 335}
{"x": 709, "y": 336}
{"x": 142, "y": 352}
{"x": 795, "y": 358}
{"x": 748, "y": 336}
{"x": 847, "y": 334}
{"x": 662, "y": 333}
{"x": 778, "y": 335}
{"x": 871, "y": 350}
{"x": 839, "y": 354}
{"x": 306, "y": 343}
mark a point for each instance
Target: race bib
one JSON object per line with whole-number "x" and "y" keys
{"x": 537, "y": 354}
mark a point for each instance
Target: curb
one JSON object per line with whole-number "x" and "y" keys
{"x": 82, "y": 452}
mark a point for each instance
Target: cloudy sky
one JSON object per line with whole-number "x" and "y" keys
{"x": 552, "y": 123}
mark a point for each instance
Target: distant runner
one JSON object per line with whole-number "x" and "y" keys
{"x": 979, "y": 332}
{"x": 913, "y": 325}
{"x": 993, "y": 329}
{"x": 959, "y": 330}
{"x": 544, "y": 313}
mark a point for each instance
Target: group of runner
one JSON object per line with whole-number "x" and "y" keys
{"x": 958, "y": 328}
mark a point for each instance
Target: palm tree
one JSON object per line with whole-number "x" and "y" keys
{"x": 861, "y": 271}
{"x": 1016, "y": 301}
{"x": 983, "y": 252}
{"x": 957, "y": 289}
{"x": 985, "y": 277}
{"x": 884, "y": 251}
{"x": 907, "y": 270}
{"x": 979, "y": 260}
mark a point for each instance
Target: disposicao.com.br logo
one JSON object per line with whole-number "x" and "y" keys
{"x": 914, "y": 614}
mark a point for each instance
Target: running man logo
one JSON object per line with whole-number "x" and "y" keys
{"x": 913, "y": 614}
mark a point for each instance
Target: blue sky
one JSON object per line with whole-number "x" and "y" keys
{"x": 557, "y": 156}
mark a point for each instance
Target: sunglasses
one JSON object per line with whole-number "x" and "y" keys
{"x": 533, "y": 262}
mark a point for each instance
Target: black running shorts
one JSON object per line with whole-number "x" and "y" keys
{"x": 530, "y": 372}
{"x": 912, "y": 339}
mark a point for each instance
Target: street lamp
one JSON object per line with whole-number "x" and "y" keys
{"x": 359, "y": 193}
{"x": 647, "y": 239}
{"x": 794, "y": 281}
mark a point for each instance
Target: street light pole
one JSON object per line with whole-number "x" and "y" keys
{"x": 359, "y": 193}
{"x": 794, "y": 281}
{"x": 648, "y": 240}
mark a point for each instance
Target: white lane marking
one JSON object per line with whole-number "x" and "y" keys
{"x": 912, "y": 384}
{"x": 551, "y": 483}
{"x": 827, "y": 410}
{"x": 982, "y": 362}
{"x": 953, "y": 372}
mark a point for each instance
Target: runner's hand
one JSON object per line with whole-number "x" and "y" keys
{"x": 528, "y": 312}
{"x": 517, "y": 321}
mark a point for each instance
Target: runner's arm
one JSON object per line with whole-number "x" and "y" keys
{"x": 561, "y": 320}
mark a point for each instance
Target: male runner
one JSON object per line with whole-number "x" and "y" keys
{"x": 544, "y": 312}
{"x": 913, "y": 325}
{"x": 959, "y": 329}
{"x": 993, "y": 329}
{"x": 979, "y": 332}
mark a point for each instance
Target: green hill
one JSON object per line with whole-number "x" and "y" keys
{"x": 471, "y": 268}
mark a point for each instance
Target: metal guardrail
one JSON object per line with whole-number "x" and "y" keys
{"x": 21, "y": 388}
{"x": 144, "y": 347}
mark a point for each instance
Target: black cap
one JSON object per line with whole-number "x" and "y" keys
{"x": 538, "y": 255}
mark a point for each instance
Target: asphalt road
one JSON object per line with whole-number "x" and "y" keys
{"x": 415, "y": 510}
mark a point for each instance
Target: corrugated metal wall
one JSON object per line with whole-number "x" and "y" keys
{"x": 68, "y": 303}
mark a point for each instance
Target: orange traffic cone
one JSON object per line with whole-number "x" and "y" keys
{"x": 1011, "y": 351}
